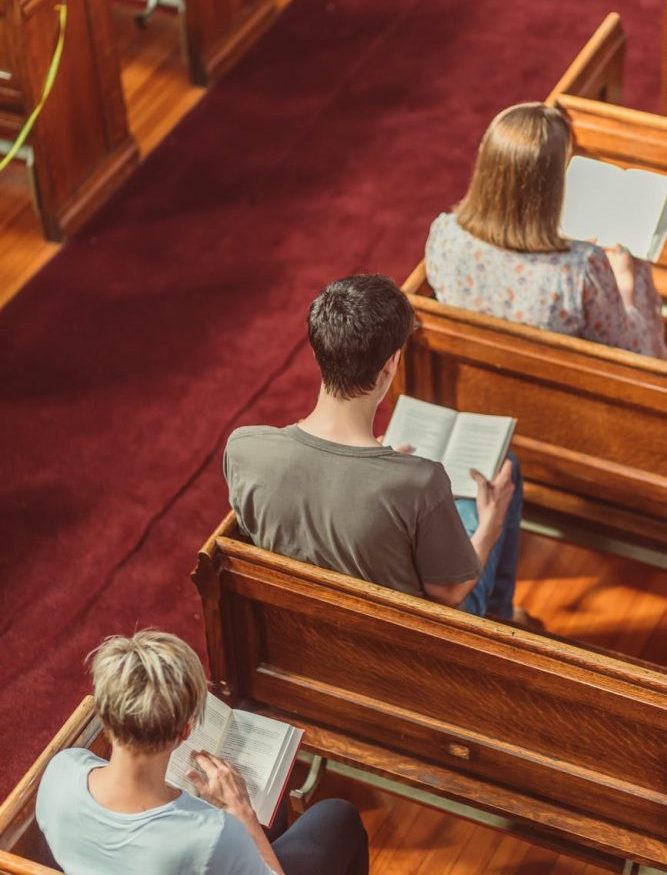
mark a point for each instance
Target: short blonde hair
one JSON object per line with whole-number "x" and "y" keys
{"x": 147, "y": 688}
{"x": 515, "y": 197}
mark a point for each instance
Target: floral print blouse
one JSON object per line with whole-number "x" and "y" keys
{"x": 572, "y": 292}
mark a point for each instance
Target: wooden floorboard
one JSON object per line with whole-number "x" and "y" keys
{"x": 410, "y": 839}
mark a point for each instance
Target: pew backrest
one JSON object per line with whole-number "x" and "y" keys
{"x": 591, "y": 419}
{"x": 597, "y": 70}
{"x": 536, "y": 728}
{"x": 21, "y": 841}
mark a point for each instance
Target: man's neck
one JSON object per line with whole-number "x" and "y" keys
{"x": 343, "y": 422}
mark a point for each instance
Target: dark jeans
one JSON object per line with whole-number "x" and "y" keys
{"x": 329, "y": 839}
{"x": 494, "y": 591}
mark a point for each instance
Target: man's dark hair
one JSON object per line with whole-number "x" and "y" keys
{"x": 354, "y": 326}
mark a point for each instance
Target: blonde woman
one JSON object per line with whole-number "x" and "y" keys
{"x": 501, "y": 253}
{"x": 120, "y": 816}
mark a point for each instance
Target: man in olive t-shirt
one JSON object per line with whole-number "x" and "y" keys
{"x": 327, "y": 492}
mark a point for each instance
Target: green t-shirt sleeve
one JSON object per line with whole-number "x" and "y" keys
{"x": 444, "y": 553}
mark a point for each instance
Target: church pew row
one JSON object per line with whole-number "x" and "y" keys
{"x": 591, "y": 419}
{"x": 587, "y": 93}
{"x": 72, "y": 174}
{"x": 564, "y": 743}
{"x": 23, "y": 849}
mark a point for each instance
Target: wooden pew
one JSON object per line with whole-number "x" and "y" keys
{"x": 591, "y": 418}
{"x": 561, "y": 745}
{"x": 23, "y": 849}
{"x": 586, "y": 94}
{"x": 217, "y": 32}
{"x": 597, "y": 70}
{"x": 80, "y": 148}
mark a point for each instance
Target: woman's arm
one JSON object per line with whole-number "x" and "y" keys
{"x": 611, "y": 315}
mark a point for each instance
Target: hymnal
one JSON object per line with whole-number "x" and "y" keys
{"x": 262, "y": 749}
{"x": 605, "y": 203}
{"x": 460, "y": 441}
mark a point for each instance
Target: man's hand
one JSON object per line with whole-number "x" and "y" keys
{"x": 493, "y": 499}
{"x": 221, "y": 785}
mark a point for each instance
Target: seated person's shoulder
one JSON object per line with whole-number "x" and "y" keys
{"x": 422, "y": 475}
{"x": 63, "y": 772}
{"x": 254, "y": 432}
{"x": 70, "y": 761}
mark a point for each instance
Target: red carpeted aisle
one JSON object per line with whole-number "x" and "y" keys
{"x": 179, "y": 312}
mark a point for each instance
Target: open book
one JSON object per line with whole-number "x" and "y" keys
{"x": 460, "y": 441}
{"x": 612, "y": 205}
{"x": 263, "y": 750}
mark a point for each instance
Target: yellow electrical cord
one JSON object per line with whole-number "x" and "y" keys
{"x": 61, "y": 9}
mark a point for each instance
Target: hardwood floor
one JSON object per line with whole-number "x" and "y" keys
{"x": 407, "y": 838}
{"x": 158, "y": 93}
{"x": 596, "y": 598}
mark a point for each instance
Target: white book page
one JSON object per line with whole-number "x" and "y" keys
{"x": 593, "y": 203}
{"x": 644, "y": 195}
{"x": 253, "y": 744}
{"x": 613, "y": 205}
{"x": 478, "y": 441}
{"x": 280, "y": 775}
{"x": 424, "y": 426}
{"x": 207, "y": 736}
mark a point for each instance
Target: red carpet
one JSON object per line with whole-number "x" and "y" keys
{"x": 179, "y": 312}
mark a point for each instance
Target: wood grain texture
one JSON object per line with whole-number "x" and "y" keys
{"x": 81, "y": 143}
{"x": 157, "y": 92}
{"x": 597, "y": 69}
{"x": 591, "y": 419}
{"x": 539, "y": 719}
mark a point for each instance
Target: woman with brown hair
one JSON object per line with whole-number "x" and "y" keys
{"x": 501, "y": 253}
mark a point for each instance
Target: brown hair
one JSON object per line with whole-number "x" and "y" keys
{"x": 515, "y": 196}
{"x": 147, "y": 688}
{"x": 355, "y": 325}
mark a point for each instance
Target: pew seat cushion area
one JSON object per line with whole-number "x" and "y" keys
{"x": 560, "y": 740}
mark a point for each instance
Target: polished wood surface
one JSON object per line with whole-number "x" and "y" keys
{"x": 597, "y": 69}
{"x": 158, "y": 93}
{"x": 82, "y": 147}
{"x": 217, "y": 32}
{"x": 591, "y": 418}
{"x": 406, "y": 837}
{"x": 521, "y": 724}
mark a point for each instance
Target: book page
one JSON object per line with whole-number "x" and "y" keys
{"x": 593, "y": 204}
{"x": 207, "y": 736}
{"x": 612, "y": 205}
{"x": 253, "y": 744}
{"x": 478, "y": 441}
{"x": 279, "y": 777}
{"x": 424, "y": 426}
{"x": 644, "y": 195}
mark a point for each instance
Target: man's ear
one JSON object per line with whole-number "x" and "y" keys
{"x": 392, "y": 363}
{"x": 186, "y": 732}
